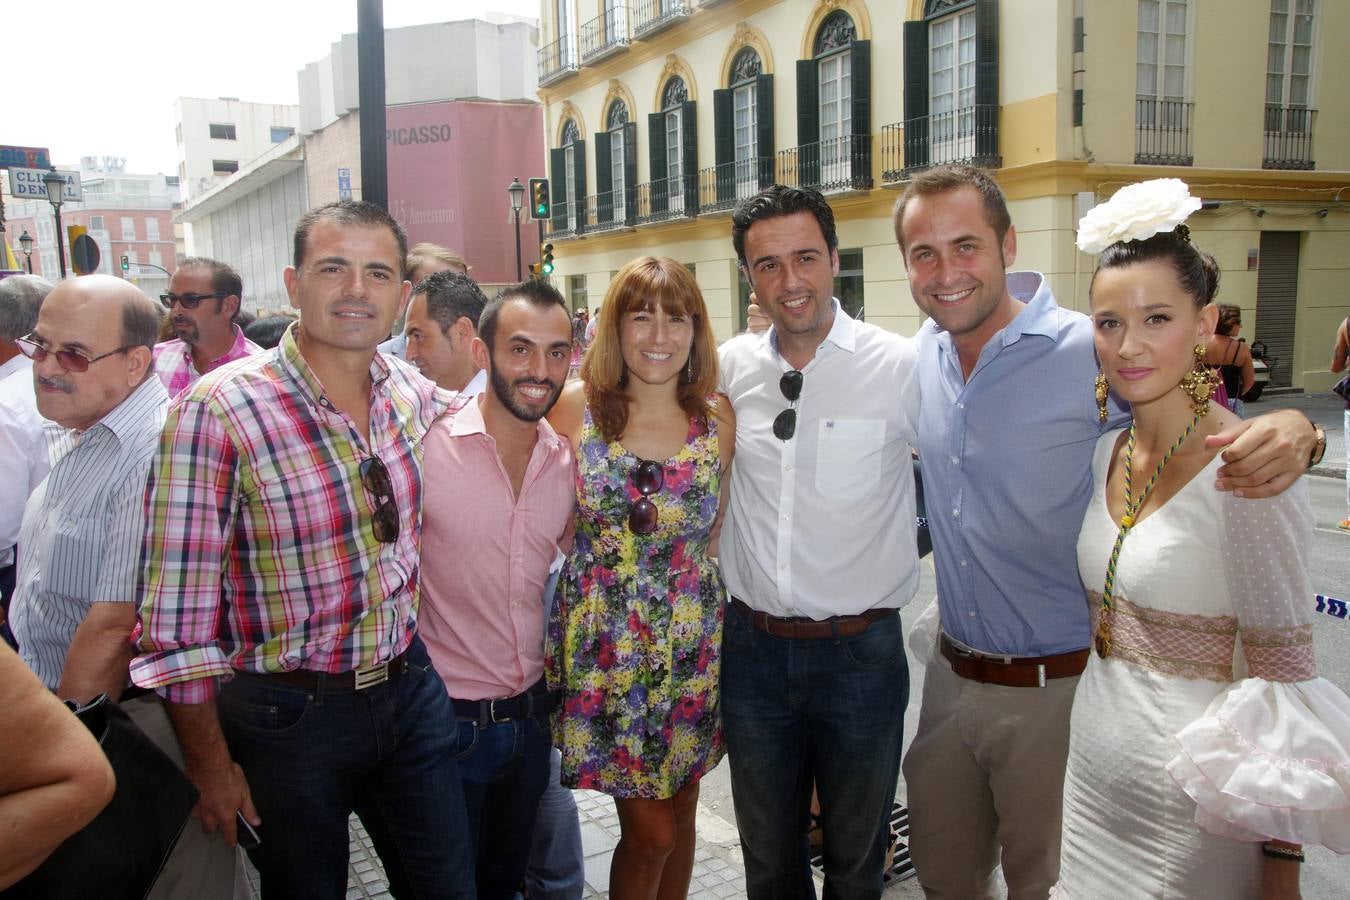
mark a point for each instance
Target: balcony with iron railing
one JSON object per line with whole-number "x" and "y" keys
{"x": 565, "y": 222}
{"x": 651, "y": 16}
{"x": 1162, "y": 132}
{"x": 1288, "y": 138}
{"x": 664, "y": 199}
{"x": 838, "y": 164}
{"x": 558, "y": 60}
{"x": 720, "y": 188}
{"x": 607, "y": 211}
{"x": 967, "y": 135}
{"x": 605, "y": 35}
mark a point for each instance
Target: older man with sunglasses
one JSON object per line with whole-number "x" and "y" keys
{"x": 203, "y": 299}
{"x": 281, "y": 573}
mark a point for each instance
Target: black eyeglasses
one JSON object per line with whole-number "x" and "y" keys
{"x": 375, "y": 479}
{"x": 649, "y": 477}
{"x": 785, "y": 426}
{"x": 70, "y": 360}
{"x": 190, "y": 301}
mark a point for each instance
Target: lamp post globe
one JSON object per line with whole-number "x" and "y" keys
{"x": 56, "y": 185}
{"x": 26, "y": 243}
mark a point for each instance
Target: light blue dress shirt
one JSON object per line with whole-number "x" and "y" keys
{"x": 1007, "y": 467}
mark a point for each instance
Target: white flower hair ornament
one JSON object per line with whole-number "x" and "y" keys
{"x": 1135, "y": 213}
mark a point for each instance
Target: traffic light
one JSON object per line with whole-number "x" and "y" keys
{"x": 126, "y": 264}
{"x": 534, "y": 270}
{"x": 539, "y": 203}
{"x": 546, "y": 260}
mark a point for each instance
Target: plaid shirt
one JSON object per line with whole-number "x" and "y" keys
{"x": 173, "y": 361}
{"x": 260, "y": 553}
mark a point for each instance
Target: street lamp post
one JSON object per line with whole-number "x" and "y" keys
{"x": 517, "y": 192}
{"x": 26, "y": 242}
{"x": 56, "y": 186}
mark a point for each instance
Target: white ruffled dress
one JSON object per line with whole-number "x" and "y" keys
{"x": 1207, "y": 730}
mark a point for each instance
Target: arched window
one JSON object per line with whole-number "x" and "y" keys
{"x": 834, "y": 118}
{"x": 951, "y": 84}
{"x": 672, "y": 103}
{"x": 834, "y": 80}
{"x": 743, "y": 123}
{"x": 745, "y": 69}
{"x": 568, "y": 181}
{"x": 673, "y": 163}
{"x": 615, "y": 164}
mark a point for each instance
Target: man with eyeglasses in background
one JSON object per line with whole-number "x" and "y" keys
{"x": 280, "y": 585}
{"x": 203, "y": 300}
{"x": 819, "y": 554}
{"x": 79, "y": 566}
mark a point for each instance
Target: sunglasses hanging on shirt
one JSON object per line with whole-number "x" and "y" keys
{"x": 785, "y": 425}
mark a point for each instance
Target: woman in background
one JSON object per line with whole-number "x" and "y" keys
{"x": 1231, "y": 357}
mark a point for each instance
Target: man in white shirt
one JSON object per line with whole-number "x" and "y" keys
{"x": 819, "y": 554}
{"x": 442, "y": 323}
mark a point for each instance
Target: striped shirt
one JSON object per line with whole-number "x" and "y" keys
{"x": 260, "y": 552}
{"x": 80, "y": 542}
{"x": 173, "y": 361}
{"x": 23, "y": 447}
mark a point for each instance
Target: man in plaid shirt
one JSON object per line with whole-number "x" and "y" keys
{"x": 280, "y": 585}
{"x": 203, "y": 299}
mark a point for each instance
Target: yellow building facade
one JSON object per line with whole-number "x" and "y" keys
{"x": 661, "y": 114}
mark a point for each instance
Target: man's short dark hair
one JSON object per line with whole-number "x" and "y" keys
{"x": 780, "y": 200}
{"x": 950, "y": 177}
{"x": 451, "y": 296}
{"x": 21, "y": 297}
{"x": 538, "y": 293}
{"x": 349, "y": 212}
{"x": 224, "y": 279}
{"x": 140, "y": 321}
{"x": 267, "y": 331}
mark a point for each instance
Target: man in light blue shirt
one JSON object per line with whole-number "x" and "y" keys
{"x": 1007, "y": 428}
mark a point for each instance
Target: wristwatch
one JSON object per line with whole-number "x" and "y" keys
{"x": 1319, "y": 446}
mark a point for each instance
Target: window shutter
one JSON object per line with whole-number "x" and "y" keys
{"x": 808, "y": 123}
{"x": 764, "y": 127}
{"x": 724, "y": 145}
{"x": 630, "y": 171}
{"x": 986, "y": 83}
{"x": 604, "y": 180}
{"x": 689, "y": 156}
{"x": 656, "y": 162}
{"x": 579, "y": 175}
{"x": 860, "y": 142}
{"x": 916, "y": 94}
{"x": 557, "y": 187}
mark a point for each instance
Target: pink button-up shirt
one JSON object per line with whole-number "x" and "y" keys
{"x": 486, "y": 555}
{"x": 173, "y": 361}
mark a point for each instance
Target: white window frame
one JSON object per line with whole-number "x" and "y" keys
{"x": 128, "y": 228}
{"x": 674, "y": 124}
{"x": 573, "y": 201}
{"x": 1280, "y": 75}
{"x": 618, "y": 174}
{"x": 152, "y": 229}
{"x": 951, "y": 86}
{"x": 834, "y": 81}
{"x": 565, "y": 19}
{"x": 745, "y": 137}
{"x": 1160, "y": 63}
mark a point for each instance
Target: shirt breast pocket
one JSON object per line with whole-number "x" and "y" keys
{"x": 848, "y": 459}
{"x": 77, "y": 557}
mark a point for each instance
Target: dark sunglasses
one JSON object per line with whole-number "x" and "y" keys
{"x": 785, "y": 426}
{"x": 189, "y": 301}
{"x": 649, "y": 477}
{"x": 375, "y": 479}
{"x": 70, "y": 360}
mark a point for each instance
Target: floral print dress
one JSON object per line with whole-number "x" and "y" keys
{"x": 635, "y": 637}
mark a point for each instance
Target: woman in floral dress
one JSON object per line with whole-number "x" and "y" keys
{"x": 635, "y": 638}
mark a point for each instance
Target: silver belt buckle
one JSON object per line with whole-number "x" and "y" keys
{"x": 368, "y": 678}
{"x": 492, "y": 714}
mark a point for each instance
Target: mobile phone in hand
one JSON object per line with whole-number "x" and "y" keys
{"x": 245, "y": 834}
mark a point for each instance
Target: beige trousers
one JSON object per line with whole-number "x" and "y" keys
{"x": 200, "y": 866}
{"x": 985, "y": 782}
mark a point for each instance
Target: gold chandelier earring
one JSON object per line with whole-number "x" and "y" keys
{"x": 1100, "y": 384}
{"x": 1200, "y": 382}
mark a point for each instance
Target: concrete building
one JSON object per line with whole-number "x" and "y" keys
{"x": 217, "y": 137}
{"x": 662, "y": 113}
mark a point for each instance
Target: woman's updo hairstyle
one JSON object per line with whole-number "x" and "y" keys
{"x": 1195, "y": 269}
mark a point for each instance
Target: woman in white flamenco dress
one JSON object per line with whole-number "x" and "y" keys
{"x": 1204, "y": 749}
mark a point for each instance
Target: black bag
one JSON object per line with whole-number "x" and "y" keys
{"x": 925, "y": 539}
{"x": 119, "y": 854}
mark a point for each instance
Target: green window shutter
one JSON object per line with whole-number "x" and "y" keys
{"x": 630, "y": 171}
{"x": 860, "y": 144}
{"x": 986, "y": 83}
{"x": 808, "y": 123}
{"x": 579, "y": 174}
{"x": 656, "y": 161}
{"x": 689, "y": 156}
{"x": 724, "y": 145}
{"x": 557, "y": 187}
{"x": 916, "y": 94}
{"x": 764, "y": 127}
{"x": 604, "y": 179}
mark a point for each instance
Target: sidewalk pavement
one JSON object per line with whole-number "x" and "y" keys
{"x": 1324, "y": 408}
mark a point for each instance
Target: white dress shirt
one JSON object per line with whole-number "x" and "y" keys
{"x": 23, "y": 451}
{"x": 823, "y": 524}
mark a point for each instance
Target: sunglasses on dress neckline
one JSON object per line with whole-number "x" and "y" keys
{"x": 649, "y": 477}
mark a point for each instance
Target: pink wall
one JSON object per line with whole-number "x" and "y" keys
{"x": 449, "y": 167}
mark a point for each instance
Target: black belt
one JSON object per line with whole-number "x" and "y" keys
{"x": 356, "y": 680}
{"x": 537, "y": 701}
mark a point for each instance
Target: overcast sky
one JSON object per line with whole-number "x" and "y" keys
{"x": 109, "y": 89}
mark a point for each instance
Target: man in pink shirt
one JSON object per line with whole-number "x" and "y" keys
{"x": 498, "y": 503}
{"x": 203, "y": 299}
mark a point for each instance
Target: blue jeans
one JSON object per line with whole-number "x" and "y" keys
{"x": 557, "y": 868}
{"x": 820, "y": 710}
{"x": 312, "y": 757}
{"x": 503, "y": 768}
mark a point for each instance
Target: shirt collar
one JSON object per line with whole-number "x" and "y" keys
{"x": 1041, "y": 314}
{"x": 477, "y": 384}
{"x": 294, "y": 364}
{"x": 469, "y": 421}
{"x": 129, "y": 416}
{"x": 843, "y": 332}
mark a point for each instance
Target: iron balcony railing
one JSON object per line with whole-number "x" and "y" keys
{"x": 967, "y": 135}
{"x": 565, "y": 222}
{"x": 664, "y": 199}
{"x": 558, "y": 59}
{"x": 892, "y": 153}
{"x": 839, "y": 164}
{"x": 605, "y": 35}
{"x": 1288, "y": 138}
{"x": 1162, "y": 132}
{"x": 651, "y": 16}
{"x": 606, "y": 211}
{"x": 721, "y": 187}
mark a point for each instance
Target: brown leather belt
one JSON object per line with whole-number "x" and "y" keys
{"x": 355, "y": 680}
{"x": 800, "y": 627}
{"x": 1012, "y": 671}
